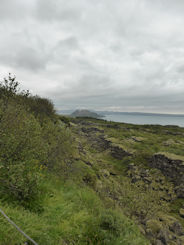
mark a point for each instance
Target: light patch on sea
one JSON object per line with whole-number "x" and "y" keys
{"x": 146, "y": 119}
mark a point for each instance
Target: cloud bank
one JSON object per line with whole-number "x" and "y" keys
{"x": 104, "y": 55}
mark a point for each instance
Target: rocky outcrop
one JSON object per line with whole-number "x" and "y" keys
{"x": 116, "y": 126}
{"x": 171, "y": 168}
{"x": 137, "y": 174}
{"x": 164, "y": 231}
{"x": 179, "y": 190}
{"x": 88, "y": 130}
{"x": 118, "y": 152}
{"x": 156, "y": 182}
{"x": 99, "y": 142}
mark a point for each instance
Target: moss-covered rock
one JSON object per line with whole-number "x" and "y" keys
{"x": 181, "y": 212}
{"x": 154, "y": 226}
{"x": 171, "y": 166}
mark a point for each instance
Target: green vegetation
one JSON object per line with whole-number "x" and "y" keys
{"x": 81, "y": 180}
{"x": 72, "y": 215}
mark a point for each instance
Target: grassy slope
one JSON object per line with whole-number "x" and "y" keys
{"x": 88, "y": 206}
{"x": 142, "y": 141}
{"x": 72, "y": 215}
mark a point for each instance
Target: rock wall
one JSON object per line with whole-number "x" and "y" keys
{"x": 171, "y": 168}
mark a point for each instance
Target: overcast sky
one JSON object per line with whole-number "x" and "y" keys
{"x": 97, "y": 54}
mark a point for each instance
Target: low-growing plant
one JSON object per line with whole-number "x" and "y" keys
{"x": 140, "y": 202}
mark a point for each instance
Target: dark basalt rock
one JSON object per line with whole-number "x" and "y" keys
{"x": 91, "y": 130}
{"x": 137, "y": 174}
{"x": 119, "y": 153}
{"x": 164, "y": 233}
{"x": 163, "y": 236}
{"x": 177, "y": 228}
{"x": 100, "y": 143}
{"x": 179, "y": 190}
{"x": 112, "y": 126}
{"x": 171, "y": 168}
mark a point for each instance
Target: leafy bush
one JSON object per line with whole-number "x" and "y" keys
{"x": 42, "y": 108}
{"x": 59, "y": 144}
{"x": 65, "y": 120}
{"x": 29, "y": 141}
{"x": 22, "y": 152}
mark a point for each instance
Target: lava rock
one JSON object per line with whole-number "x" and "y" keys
{"x": 171, "y": 168}
{"x": 119, "y": 153}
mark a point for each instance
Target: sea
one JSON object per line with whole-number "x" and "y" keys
{"x": 146, "y": 118}
{"x": 138, "y": 117}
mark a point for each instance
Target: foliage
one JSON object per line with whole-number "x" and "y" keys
{"x": 141, "y": 202}
{"x": 72, "y": 215}
{"x": 59, "y": 145}
{"x": 65, "y": 120}
{"x": 22, "y": 152}
{"x": 42, "y": 108}
{"x": 29, "y": 142}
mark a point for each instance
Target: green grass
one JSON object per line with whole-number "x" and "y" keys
{"x": 72, "y": 215}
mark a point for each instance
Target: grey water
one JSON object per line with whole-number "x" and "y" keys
{"x": 138, "y": 117}
{"x": 144, "y": 118}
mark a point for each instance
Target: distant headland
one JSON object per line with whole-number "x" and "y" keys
{"x": 86, "y": 113}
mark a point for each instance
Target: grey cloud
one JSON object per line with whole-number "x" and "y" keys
{"x": 22, "y": 55}
{"x": 97, "y": 54}
{"x": 86, "y": 88}
{"x": 57, "y": 10}
{"x": 30, "y": 59}
{"x": 64, "y": 48}
{"x": 15, "y": 10}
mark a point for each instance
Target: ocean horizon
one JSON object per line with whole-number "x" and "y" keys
{"x": 146, "y": 118}
{"x": 139, "y": 117}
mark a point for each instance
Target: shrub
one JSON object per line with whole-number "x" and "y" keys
{"x": 65, "y": 120}
{"x": 10, "y": 91}
{"x": 59, "y": 145}
{"x": 22, "y": 152}
{"x": 42, "y": 108}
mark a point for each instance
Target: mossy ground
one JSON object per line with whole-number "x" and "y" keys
{"x": 141, "y": 141}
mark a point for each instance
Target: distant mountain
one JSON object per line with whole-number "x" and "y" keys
{"x": 85, "y": 113}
